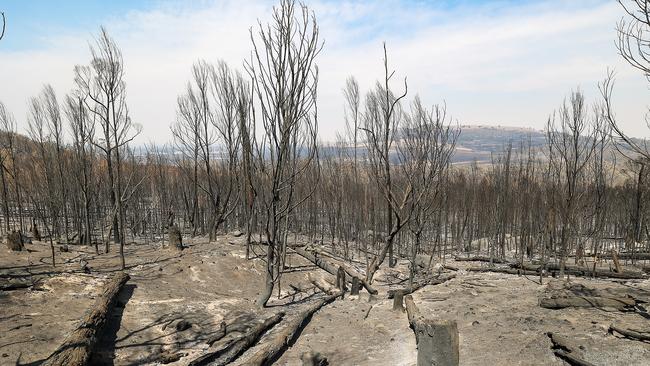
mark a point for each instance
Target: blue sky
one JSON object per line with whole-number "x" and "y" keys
{"x": 493, "y": 62}
{"x": 31, "y": 22}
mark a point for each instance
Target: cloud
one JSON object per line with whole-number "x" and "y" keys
{"x": 504, "y": 62}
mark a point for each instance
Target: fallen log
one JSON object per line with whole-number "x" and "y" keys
{"x": 565, "y": 350}
{"x": 228, "y": 354}
{"x": 581, "y": 271}
{"x": 271, "y": 350}
{"x": 570, "y": 358}
{"x": 416, "y": 286}
{"x": 629, "y": 333}
{"x": 329, "y": 254}
{"x": 628, "y": 255}
{"x": 476, "y": 284}
{"x": 618, "y": 303}
{"x": 332, "y": 269}
{"x": 348, "y": 269}
{"x": 79, "y": 345}
{"x": 9, "y": 284}
{"x": 322, "y": 285}
{"x": 218, "y": 335}
{"x": 480, "y": 258}
{"x": 168, "y": 356}
{"x": 437, "y": 340}
{"x": 518, "y": 272}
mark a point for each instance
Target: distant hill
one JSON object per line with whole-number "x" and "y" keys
{"x": 481, "y": 142}
{"x": 476, "y": 143}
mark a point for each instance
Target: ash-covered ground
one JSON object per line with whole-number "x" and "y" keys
{"x": 176, "y": 302}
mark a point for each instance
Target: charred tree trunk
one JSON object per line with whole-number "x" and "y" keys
{"x": 79, "y": 345}
{"x": 437, "y": 340}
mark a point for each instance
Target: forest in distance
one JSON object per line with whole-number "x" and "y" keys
{"x": 248, "y": 240}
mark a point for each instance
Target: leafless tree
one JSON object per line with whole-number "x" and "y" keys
{"x": 83, "y": 132}
{"x": 633, "y": 44}
{"x": 7, "y": 127}
{"x": 424, "y": 150}
{"x": 190, "y": 137}
{"x": 43, "y": 194}
{"x": 381, "y": 123}
{"x": 501, "y": 170}
{"x": 55, "y": 131}
{"x": 352, "y": 113}
{"x": 352, "y": 119}
{"x": 245, "y": 113}
{"x": 230, "y": 116}
{"x": 102, "y": 84}
{"x": 208, "y": 133}
{"x": 284, "y": 79}
{"x": 572, "y": 135}
{"x": 408, "y": 154}
{"x": 634, "y": 33}
{"x": 161, "y": 171}
{"x": 4, "y": 24}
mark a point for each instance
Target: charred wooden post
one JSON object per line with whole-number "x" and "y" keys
{"x": 175, "y": 238}
{"x": 14, "y": 241}
{"x": 617, "y": 264}
{"x": 437, "y": 340}
{"x": 355, "y": 286}
{"x": 35, "y": 233}
{"x": 340, "y": 280}
{"x": 77, "y": 348}
{"x": 398, "y": 301}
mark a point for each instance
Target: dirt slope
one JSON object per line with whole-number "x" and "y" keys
{"x": 498, "y": 315}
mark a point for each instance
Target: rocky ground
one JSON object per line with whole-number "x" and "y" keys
{"x": 175, "y": 302}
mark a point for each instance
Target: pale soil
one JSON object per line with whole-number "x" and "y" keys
{"x": 499, "y": 320}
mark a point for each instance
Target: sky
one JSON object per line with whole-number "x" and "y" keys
{"x": 498, "y": 62}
